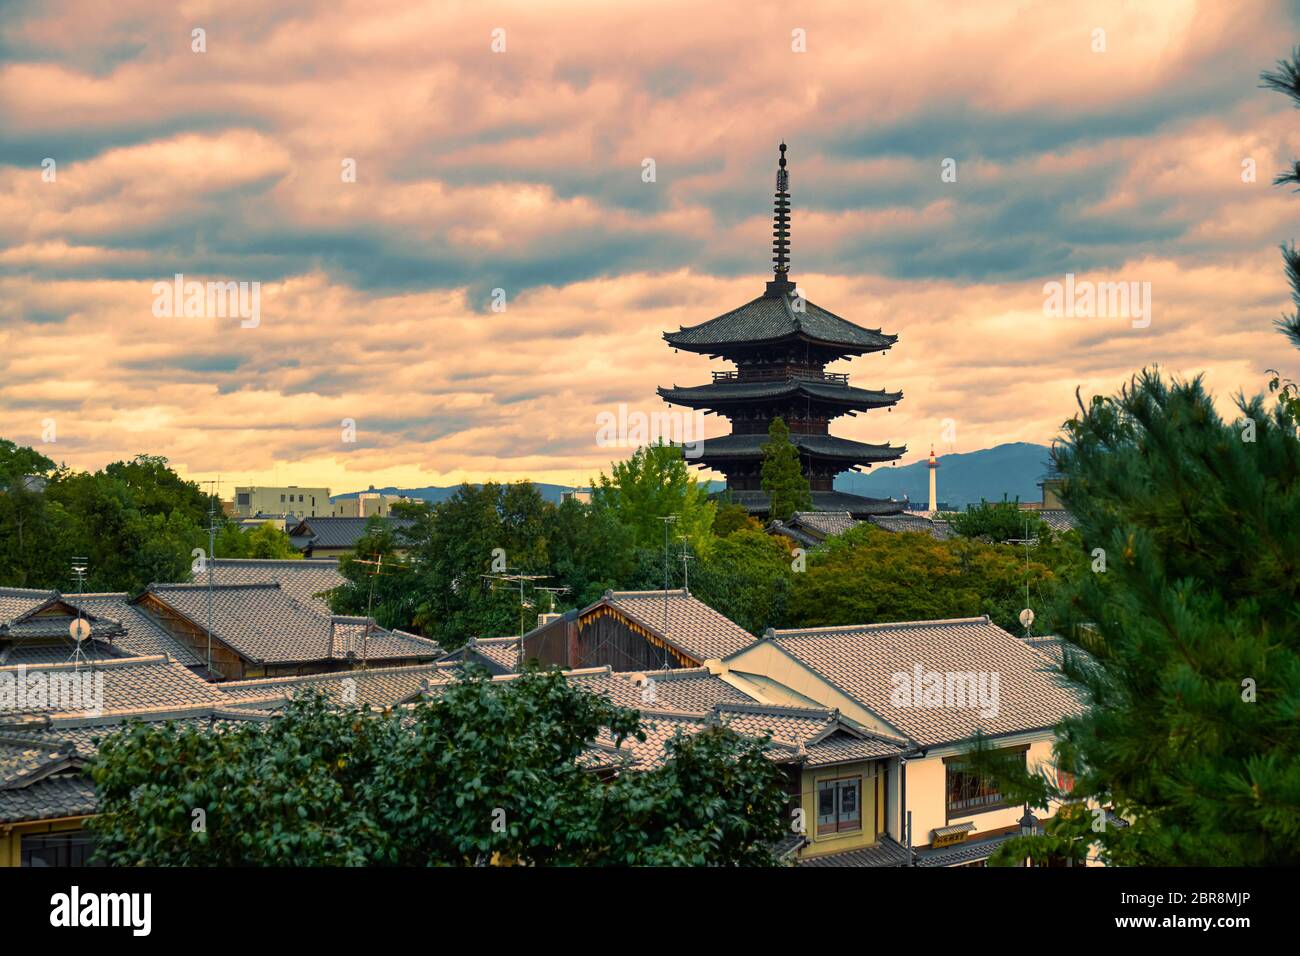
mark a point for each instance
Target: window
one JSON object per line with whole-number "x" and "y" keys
{"x": 72, "y": 848}
{"x": 282, "y": 499}
{"x": 839, "y": 805}
{"x": 969, "y": 792}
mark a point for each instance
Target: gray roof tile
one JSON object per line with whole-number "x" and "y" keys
{"x": 772, "y": 317}
{"x": 692, "y": 626}
{"x": 263, "y": 622}
{"x": 304, "y": 578}
{"x": 861, "y": 662}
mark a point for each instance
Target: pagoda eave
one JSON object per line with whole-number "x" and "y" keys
{"x": 731, "y": 396}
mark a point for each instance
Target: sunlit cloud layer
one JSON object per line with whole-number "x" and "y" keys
{"x": 522, "y": 171}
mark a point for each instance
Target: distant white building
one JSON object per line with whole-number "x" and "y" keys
{"x": 288, "y": 500}
{"x": 365, "y": 504}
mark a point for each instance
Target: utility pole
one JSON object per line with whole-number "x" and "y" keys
{"x": 667, "y": 520}
{"x": 212, "y": 557}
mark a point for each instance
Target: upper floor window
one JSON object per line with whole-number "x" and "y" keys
{"x": 839, "y": 805}
{"x": 970, "y": 792}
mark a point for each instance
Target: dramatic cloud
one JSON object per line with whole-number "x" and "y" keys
{"x": 522, "y": 171}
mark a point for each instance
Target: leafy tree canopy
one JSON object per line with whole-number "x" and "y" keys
{"x": 782, "y": 477}
{"x": 487, "y": 773}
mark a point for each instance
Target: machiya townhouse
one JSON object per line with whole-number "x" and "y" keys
{"x": 869, "y": 724}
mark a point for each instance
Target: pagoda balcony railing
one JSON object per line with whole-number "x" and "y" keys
{"x": 781, "y": 375}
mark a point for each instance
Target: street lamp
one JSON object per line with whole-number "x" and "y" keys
{"x": 1028, "y": 827}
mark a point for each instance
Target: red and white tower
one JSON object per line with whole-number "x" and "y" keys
{"x": 934, "y": 497}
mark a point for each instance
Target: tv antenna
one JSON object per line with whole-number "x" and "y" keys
{"x": 685, "y": 557}
{"x": 79, "y": 630}
{"x": 521, "y": 579}
{"x": 379, "y": 569}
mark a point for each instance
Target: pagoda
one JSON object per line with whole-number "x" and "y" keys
{"x": 781, "y": 344}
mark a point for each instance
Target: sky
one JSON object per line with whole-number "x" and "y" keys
{"x": 467, "y": 225}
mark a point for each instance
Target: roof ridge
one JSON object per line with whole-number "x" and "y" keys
{"x": 882, "y": 626}
{"x": 658, "y": 591}
{"x": 99, "y": 664}
{"x": 668, "y": 674}
{"x": 332, "y": 675}
{"x": 757, "y": 707}
{"x": 289, "y": 562}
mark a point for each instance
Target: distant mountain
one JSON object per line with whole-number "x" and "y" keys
{"x": 1011, "y": 470}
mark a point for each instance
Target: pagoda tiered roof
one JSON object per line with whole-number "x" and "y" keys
{"x": 757, "y": 502}
{"x": 815, "y": 446}
{"x": 781, "y": 344}
{"x": 774, "y": 317}
{"x": 729, "y": 391}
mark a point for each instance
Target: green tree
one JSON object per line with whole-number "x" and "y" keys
{"x": 867, "y": 576}
{"x": 34, "y": 539}
{"x": 653, "y": 483}
{"x": 268, "y": 541}
{"x": 999, "y": 521}
{"x": 732, "y": 518}
{"x": 1187, "y": 647}
{"x": 783, "y": 478}
{"x": 747, "y": 577}
{"x": 485, "y": 773}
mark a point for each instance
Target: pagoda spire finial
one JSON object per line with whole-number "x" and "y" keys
{"x": 781, "y": 223}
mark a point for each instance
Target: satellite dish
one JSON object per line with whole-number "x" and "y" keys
{"x": 1027, "y": 618}
{"x": 79, "y": 629}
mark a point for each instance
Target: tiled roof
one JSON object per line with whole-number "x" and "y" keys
{"x": 844, "y": 747}
{"x": 824, "y": 524}
{"x": 1058, "y": 519}
{"x": 502, "y": 653}
{"x": 129, "y": 683}
{"x": 262, "y": 622}
{"x": 797, "y": 535}
{"x": 15, "y": 602}
{"x": 970, "y": 851}
{"x": 304, "y": 578}
{"x": 862, "y": 662}
{"x": 692, "y": 626}
{"x": 42, "y": 770}
{"x": 793, "y": 724}
{"x": 377, "y": 686}
{"x": 772, "y": 317}
{"x": 685, "y": 688}
{"x": 919, "y": 524}
{"x": 885, "y": 852}
{"x": 821, "y": 446}
{"x": 144, "y": 636}
{"x": 822, "y": 737}
{"x": 340, "y": 532}
{"x": 60, "y": 653}
{"x": 51, "y": 798}
{"x": 27, "y": 615}
{"x": 28, "y": 757}
{"x": 724, "y": 393}
{"x": 756, "y": 502}
{"x": 660, "y": 727}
